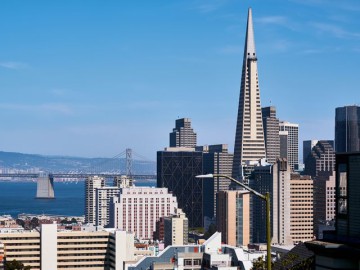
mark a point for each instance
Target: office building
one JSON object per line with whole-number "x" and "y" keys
{"x": 183, "y": 135}
{"x": 49, "y": 249}
{"x": 91, "y": 184}
{"x": 274, "y": 179}
{"x": 102, "y": 209}
{"x": 340, "y": 249}
{"x": 123, "y": 181}
{"x": 321, "y": 159}
{"x": 301, "y": 208}
{"x": 324, "y": 202}
{"x": 233, "y": 217}
{"x": 291, "y": 204}
{"x": 307, "y": 147}
{"x": 271, "y": 133}
{"x": 347, "y": 129}
{"x": 137, "y": 209}
{"x": 176, "y": 170}
{"x": 216, "y": 160}
{"x": 292, "y": 144}
{"x": 176, "y": 229}
{"x": 249, "y": 139}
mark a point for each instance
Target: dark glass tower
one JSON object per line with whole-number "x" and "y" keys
{"x": 347, "y": 129}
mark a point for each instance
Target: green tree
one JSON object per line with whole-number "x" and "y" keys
{"x": 210, "y": 231}
{"x": 16, "y": 265}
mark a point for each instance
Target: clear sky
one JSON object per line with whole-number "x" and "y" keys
{"x": 91, "y": 78}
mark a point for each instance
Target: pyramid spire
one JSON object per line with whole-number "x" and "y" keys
{"x": 249, "y": 50}
{"x": 249, "y": 139}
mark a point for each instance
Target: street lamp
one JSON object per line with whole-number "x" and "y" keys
{"x": 265, "y": 197}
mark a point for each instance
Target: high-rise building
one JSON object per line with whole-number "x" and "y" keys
{"x": 292, "y": 142}
{"x": 177, "y": 168}
{"x": 321, "y": 159}
{"x": 340, "y": 249}
{"x": 274, "y": 179}
{"x": 103, "y": 197}
{"x": 347, "y": 129}
{"x": 183, "y": 135}
{"x": 137, "y": 209}
{"x": 291, "y": 204}
{"x": 249, "y": 139}
{"x": 216, "y": 160}
{"x": 176, "y": 229}
{"x": 301, "y": 208}
{"x": 91, "y": 184}
{"x": 324, "y": 202}
{"x": 307, "y": 147}
{"x": 271, "y": 133}
{"x": 233, "y": 217}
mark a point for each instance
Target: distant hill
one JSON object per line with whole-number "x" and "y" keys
{"x": 56, "y": 164}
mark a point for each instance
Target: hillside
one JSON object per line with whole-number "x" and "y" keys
{"x": 20, "y": 161}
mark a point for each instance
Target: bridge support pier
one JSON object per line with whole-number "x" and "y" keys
{"x": 45, "y": 186}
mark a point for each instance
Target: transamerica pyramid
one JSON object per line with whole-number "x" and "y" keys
{"x": 249, "y": 139}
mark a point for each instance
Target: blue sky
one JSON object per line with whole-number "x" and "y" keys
{"x": 91, "y": 78}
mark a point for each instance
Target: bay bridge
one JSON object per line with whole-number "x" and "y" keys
{"x": 109, "y": 168}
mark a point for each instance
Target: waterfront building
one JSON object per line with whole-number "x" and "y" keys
{"x": 271, "y": 133}
{"x": 102, "y": 209}
{"x": 183, "y": 135}
{"x": 137, "y": 209}
{"x": 292, "y": 143}
{"x": 50, "y": 249}
{"x": 233, "y": 217}
{"x": 91, "y": 184}
{"x": 176, "y": 229}
{"x": 249, "y": 139}
{"x": 123, "y": 181}
{"x": 347, "y": 129}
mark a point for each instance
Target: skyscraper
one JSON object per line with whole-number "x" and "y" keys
{"x": 176, "y": 170}
{"x": 307, "y": 147}
{"x": 249, "y": 138}
{"x": 292, "y": 142}
{"x": 183, "y": 135}
{"x": 271, "y": 133}
{"x": 91, "y": 184}
{"x": 347, "y": 129}
{"x": 321, "y": 160}
{"x": 233, "y": 216}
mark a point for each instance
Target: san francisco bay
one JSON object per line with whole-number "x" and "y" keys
{"x": 19, "y": 197}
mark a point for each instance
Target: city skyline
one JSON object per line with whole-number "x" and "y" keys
{"x": 86, "y": 79}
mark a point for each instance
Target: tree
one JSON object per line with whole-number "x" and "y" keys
{"x": 16, "y": 265}
{"x": 210, "y": 231}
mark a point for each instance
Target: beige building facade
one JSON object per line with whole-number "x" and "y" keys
{"x": 51, "y": 250}
{"x": 233, "y": 217}
{"x": 301, "y": 208}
